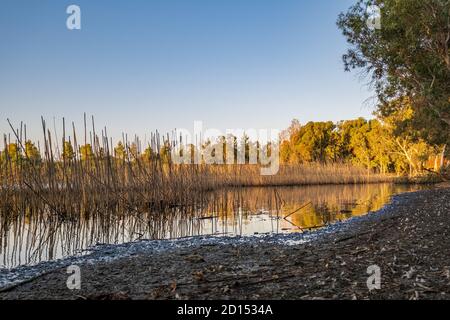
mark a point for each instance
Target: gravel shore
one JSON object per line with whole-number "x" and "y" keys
{"x": 408, "y": 240}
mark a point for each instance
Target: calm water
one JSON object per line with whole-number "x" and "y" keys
{"x": 26, "y": 239}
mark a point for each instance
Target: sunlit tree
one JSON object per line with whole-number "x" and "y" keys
{"x": 68, "y": 153}
{"x": 86, "y": 152}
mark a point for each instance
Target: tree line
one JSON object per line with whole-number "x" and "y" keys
{"x": 386, "y": 144}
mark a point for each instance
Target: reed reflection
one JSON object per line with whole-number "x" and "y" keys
{"x": 30, "y": 232}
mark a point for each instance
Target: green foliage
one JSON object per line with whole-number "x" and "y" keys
{"x": 309, "y": 143}
{"x": 409, "y": 56}
{"x": 13, "y": 152}
{"x": 385, "y": 145}
{"x": 86, "y": 152}
{"x": 149, "y": 154}
{"x": 68, "y": 154}
{"x": 119, "y": 151}
{"x": 164, "y": 153}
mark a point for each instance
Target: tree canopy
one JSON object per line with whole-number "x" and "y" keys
{"x": 409, "y": 56}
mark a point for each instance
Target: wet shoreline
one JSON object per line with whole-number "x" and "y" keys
{"x": 407, "y": 239}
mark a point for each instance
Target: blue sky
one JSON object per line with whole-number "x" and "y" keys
{"x": 141, "y": 65}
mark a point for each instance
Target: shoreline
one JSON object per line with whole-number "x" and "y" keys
{"x": 330, "y": 263}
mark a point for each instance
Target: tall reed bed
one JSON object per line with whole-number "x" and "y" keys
{"x": 88, "y": 174}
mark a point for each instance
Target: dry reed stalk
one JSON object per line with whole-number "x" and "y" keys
{"x": 95, "y": 178}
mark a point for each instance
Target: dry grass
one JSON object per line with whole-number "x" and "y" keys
{"x": 140, "y": 183}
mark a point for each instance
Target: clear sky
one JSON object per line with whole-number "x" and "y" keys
{"x": 141, "y": 65}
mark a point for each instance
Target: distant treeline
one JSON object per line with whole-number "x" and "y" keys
{"x": 388, "y": 144}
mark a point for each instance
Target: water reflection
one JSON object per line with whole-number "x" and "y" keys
{"x": 32, "y": 234}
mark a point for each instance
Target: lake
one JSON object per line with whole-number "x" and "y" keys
{"x": 26, "y": 238}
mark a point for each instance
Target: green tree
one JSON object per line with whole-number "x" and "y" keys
{"x": 346, "y": 129}
{"x": 32, "y": 152}
{"x": 119, "y": 151}
{"x": 311, "y": 141}
{"x": 148, "y": 154}
{"x": 68, "y": 154}
{"x": 86, "y": 152}
{"x": 285, "y": 152}
{"x": 406, "y": 142}
{"x": 360, "y": 147}
{"x": 380, "y": 143}
{"x": 408, "y": 56}
{"x": 164, "y": 153}
{"x": 13, "y": 152}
